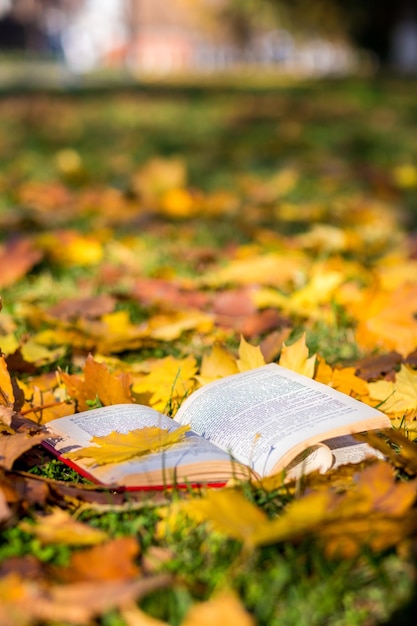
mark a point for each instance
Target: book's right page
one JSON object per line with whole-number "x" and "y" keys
{"x": 266, "y": 416}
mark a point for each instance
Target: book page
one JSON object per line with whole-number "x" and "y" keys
{"x": 263, "y": 414}
{"x": 347, "y": 449}
{"x": 77, "y": 430}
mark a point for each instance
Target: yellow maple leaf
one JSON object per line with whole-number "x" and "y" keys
{"x": 168, "y": 383}
{"x": 118, "y": 447}
{"x": 250, "y": 356}
{"x": 60, "y": 527}
{"x": 295, "y": 357}
{"x": 399, "y": 398}
{"x": 217, "y": 364}
{"x": 99, "y": 383}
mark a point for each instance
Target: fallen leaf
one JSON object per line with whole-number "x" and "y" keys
{"x": 168, "y": 383}
{"x": 225, "y": 609}
{"x": 216, "y": 364}
{"x": 113, "y": 560}
{"x": 118, "y": 447}
{"x": 397, "y": 398}
{"x": 12, "y": 446}
{"x": 17, "y": 257}
{"x": 250, "y": 356}
{"x": 296, "y": 357}
{"x": 99, "y": 383}
{"x": 60, "y": 527}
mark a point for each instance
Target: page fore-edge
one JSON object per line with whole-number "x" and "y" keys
{"x": 122, "y": 488}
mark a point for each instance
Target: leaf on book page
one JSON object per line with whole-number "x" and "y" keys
{"x": 60, "y": 527}
{"x": 99, "y": 383}
{"x": 218, "y": 364}
{"x": 225, "y": 609}
{"x": 398, "y": 398}
{"x": 118, "y": 447}
{"x": 250, "y": 356}
{"x": 295, "y": 357}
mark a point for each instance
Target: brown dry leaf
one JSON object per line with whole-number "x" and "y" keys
{"x": 88, "y": 307}
{"x": 169, "y": 382}
{"x": 60, "y": 527}
{"x": 217, "y": 364}
{"x": 295, "y": 357}
{"x": 225, "y": 609}
{"x": 250, "y": 356}
{"x": 170, "y": 295}
{"x": 17, "y": 257}
{"x": 5, "y": 511}
{"x": 372, "y": 367}
{"x": 114, "y": 560}
{"x": 99, "y": 383}
{"x": 12, "y": 446}
{"x": 118, "y": 447}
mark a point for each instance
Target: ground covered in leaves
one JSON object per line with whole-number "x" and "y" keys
{"x": 157, "y": 239}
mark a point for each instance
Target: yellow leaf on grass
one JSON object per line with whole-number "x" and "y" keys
{"x": 295, "y": 357}
{"x": 169, "y": 382}
{"x": 60, "y": 527}
{"x": 225, "y": 609}
{"x": 250, "y": 356}
{"x": 399, "y": 398}
{"x": 118, "y": 447}
{"x": 217, "y": 364}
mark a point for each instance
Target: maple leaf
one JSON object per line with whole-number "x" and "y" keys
{"x": 343, "y": 379}
{"x": 100, "y": 383}
{"x": 169, "y": 382}
{"x": 118, "y": 447}
{"x": 398, "y": 398}
{"x": 217, "y": 364}
{"x": 250, "y": 356}
{"x": 60, "y": 527}
{"x": 295, "y": 357}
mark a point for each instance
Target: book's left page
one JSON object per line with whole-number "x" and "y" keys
{"x": 190, "y": 461}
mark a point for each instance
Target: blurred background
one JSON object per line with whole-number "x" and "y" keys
{"x": 159, "y": 37}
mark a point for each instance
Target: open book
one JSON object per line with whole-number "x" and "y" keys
{"x": 248, "y": 425}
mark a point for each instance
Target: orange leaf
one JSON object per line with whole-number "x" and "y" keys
{"x": 99, "y": 383}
